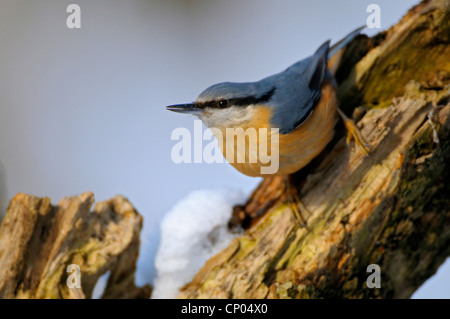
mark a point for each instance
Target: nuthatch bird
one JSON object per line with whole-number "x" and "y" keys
{"x": 301, "y": 102}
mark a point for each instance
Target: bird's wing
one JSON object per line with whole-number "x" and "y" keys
{"x": 298, "y": 90}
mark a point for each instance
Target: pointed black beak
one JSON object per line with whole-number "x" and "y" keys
{"x": 190, "y": 108}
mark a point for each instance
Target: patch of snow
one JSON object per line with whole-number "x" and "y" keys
{"x": 191, "y": 233}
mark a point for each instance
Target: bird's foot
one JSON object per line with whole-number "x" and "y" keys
{"x": 299, "y": 210}
{"x": 294, "y": 202}
{"x": 353, "y": 133}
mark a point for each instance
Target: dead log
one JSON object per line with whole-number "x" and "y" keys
{"x": 390, "y": 208}
{"x": 38, "y": 242}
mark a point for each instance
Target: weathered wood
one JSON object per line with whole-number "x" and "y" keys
{"x": 390, "y": 208}
{"x": 38, "y": 241}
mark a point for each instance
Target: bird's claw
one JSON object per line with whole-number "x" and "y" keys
{"x": 353, "y": 133}
{"x": 297, "y": 208}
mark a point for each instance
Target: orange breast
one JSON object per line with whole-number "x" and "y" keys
{"x": 295, "y": 150}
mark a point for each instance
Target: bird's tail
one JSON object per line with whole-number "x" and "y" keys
{"x": 337, "y": 50}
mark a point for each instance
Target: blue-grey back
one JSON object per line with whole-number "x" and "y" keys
{"x": 298, "y": 90}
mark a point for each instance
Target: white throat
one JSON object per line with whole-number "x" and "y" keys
{"x": 233, "y": 116}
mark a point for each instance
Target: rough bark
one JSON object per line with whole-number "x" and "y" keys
{"x": 38, "y": 241}
{"x": 390, "y": 208}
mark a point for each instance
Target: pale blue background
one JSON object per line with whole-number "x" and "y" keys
{"x": 84, "y": 109}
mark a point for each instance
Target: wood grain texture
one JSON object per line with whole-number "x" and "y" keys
{"x": 38, "y": 241}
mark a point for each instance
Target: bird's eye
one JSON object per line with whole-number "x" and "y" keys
{"x": 223, "y": 103}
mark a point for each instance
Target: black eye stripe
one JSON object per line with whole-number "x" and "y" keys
{"x": 239, "y": 101}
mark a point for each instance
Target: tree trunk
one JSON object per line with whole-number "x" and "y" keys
{"x": 390, "y": 208}
{"x": 38, "y": 243}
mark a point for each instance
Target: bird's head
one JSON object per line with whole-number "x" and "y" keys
{"x": 227, "y": 104}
